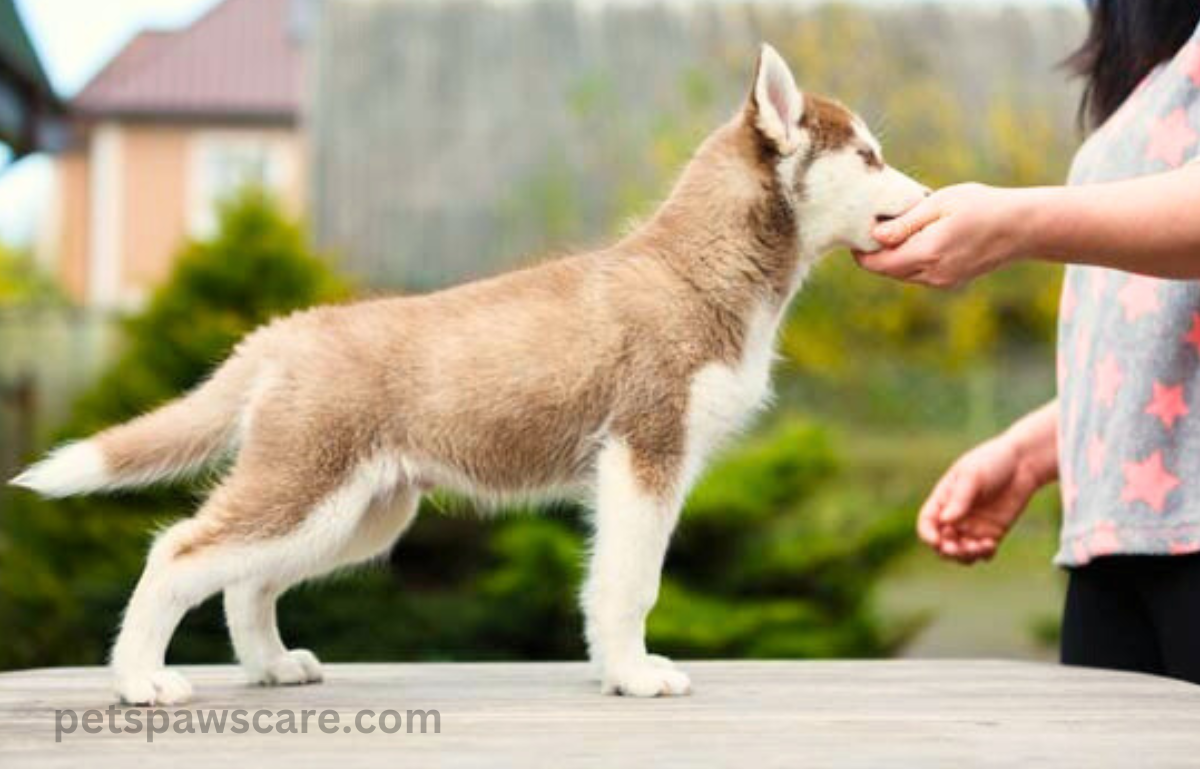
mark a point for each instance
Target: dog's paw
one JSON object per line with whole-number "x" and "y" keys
{"x": 650, "y": 678}
{"x": 298, "y": 666}
{"x": 659, "y": 661}
{"x": 160, "y": 687}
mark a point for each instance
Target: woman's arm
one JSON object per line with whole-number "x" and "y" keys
{"x": 1148, "y": 225}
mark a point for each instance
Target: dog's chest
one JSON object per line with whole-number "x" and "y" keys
{"x": 723, "y": 397}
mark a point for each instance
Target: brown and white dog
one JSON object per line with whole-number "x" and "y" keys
{"x": 612, "y": 374}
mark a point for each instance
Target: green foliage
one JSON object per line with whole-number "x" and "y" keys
{"x": 22, "y": 283}
{"x": 770, "y": 563}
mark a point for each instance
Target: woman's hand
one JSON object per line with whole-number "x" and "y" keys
{"x": 956, "y": 234}
{"x": 977, "y": 501}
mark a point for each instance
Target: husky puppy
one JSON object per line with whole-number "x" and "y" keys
{"x": 613, "y": 374}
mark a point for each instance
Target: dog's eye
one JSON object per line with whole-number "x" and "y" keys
{"x": 870, "y": 158}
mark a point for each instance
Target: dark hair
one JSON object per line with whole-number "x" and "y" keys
{"x": 1127, "y": 39}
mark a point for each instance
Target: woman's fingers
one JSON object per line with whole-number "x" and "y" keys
{"x": 928, "y": 517}
{"x": 893, "y": 233}
{"x": 961, "y": 496}
{"x": 894, "y": 263}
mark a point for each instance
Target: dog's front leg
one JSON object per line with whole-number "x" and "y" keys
{"x": 633, "y": 527}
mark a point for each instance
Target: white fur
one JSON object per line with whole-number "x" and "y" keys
{"x": 633, "y": 529}
{"x": 778, "y": 100}
{"x": 362, "y": 518}
{"x": 723, "y": 398}
{"x": 844, "y": 196}
{"x": 75, "y": 468}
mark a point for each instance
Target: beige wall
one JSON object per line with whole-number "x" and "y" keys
{"x": 73, "y": 224}
{"x": 151, "y": 187}
{"x": 153, "y": 213}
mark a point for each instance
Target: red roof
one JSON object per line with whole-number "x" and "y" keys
{"x": 239, "y": 60}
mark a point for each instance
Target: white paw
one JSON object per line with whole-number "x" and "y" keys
{"x": 649, "y": 678}
{"x": 659, "y": 661}
{"x": 161, "y": 687}
{"x": 298, "y": 666}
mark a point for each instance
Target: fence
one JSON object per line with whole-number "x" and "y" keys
{"x": 453, "y": 138}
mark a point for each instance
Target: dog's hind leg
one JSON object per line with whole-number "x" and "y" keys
{"x": 250, "y": 607}
{"x": 633, "y": 528}
{"x": 250, "y": 615}
{"x": 231, "y": 542}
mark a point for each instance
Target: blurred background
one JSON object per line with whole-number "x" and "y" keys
{"x": 178, "y": 171}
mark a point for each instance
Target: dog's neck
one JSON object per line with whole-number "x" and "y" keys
{"x": 728, "y": 228}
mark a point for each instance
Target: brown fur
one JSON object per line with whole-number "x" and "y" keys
{"x": 508, "y": 380}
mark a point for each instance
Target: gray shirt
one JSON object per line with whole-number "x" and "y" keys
{"x": 1129, "y": 353}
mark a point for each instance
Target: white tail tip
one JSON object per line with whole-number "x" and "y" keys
{"x": 75, "y": 468}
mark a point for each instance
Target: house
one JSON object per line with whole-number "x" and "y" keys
{"x": 174, "y": 123}
{"x": 30, "y": 113}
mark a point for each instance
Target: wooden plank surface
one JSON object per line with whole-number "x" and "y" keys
{"x": 745, "y": 714}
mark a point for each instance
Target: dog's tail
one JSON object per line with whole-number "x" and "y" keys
{"x": 175, "y": 440}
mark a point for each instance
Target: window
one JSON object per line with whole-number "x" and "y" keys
{"x": 224, "y": 165}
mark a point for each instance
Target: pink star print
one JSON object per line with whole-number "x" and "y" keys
{"x": 1149, "y": 482}
{"x": 1104, "y": 540}
{"x": 1192, "y": 337}
{"x": 1184, "y": 548}
{"x": 1167, "y": 404}
{"x": 1190, "y": 62}
{"x": 1170, "y": 137}
{"x": 1139, "y": 296}
{"x": 1096, "y": 449}
{"x": 1108, "y": 380}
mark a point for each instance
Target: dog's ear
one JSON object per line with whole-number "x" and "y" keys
{"x": 775, "y": 103}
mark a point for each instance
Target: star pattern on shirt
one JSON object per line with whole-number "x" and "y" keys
{"x": 1170, "y": 137}
{"x": 1148, "y": 482}
{"x": 1192, "y": 337}
{"x": 1104, "y": 540}
{"x": 1096, "y": 449}
{"x": 1167, "y": 404}
{"x": 1108, "y": 380}
{"x": 1139, "y": 296}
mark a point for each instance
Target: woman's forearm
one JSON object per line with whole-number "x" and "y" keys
{"x": 1035, "y": 437}
{"x": 1149, "y": 225}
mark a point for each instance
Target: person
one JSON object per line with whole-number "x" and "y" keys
{"x": 1123, "y": 435}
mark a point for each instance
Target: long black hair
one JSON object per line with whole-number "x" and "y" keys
{"x": 1127, "y": 39}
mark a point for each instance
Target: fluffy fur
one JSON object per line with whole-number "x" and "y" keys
{"x": 612, "y": 374}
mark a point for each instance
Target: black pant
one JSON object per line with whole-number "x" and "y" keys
{"x": 1135, "y": 612}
